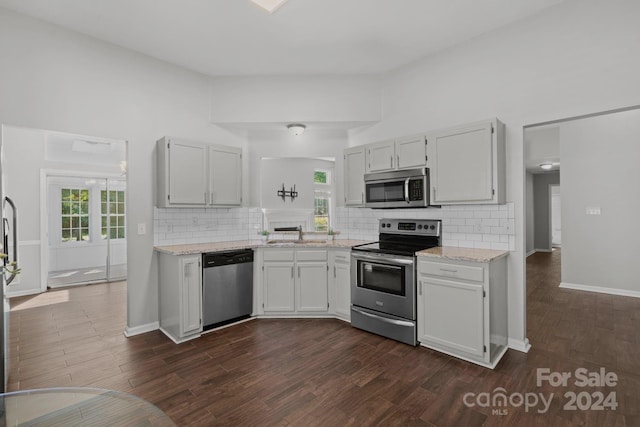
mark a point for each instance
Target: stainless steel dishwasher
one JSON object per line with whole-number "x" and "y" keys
{"x": 227, "y": 294}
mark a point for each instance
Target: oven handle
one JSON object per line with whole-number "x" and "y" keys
{"x": 383, "y": 319}
{"x": 383, "y": 259}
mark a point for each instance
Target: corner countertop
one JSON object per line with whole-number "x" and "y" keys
{"x": 198, "y": 248}
{"x": 463, "y": 254}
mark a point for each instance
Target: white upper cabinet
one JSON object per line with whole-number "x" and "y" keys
{"x": 381, "y": 156}
{"x": 411, "y": 152}
{"x": 180, "y": 157}
{"x": 402, "y": 153}
{"x": 225, "y": 172}
{"x": 467, "y": 164}
{"x": 354, "y": 160}
{"x": 192, "y": 174}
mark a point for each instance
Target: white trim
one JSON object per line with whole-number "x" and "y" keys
{"x": 601, "y": 290}
{"x": 543, "y": 250}
{"x": 468, "y": 359}
{"x": 520, "y": 345}
{"x": 137, "y": 330}
{"x": 531, "y": 252}
{"x": 179, "y": 341}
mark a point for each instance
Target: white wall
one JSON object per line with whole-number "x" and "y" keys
{"x": 576, "y": 58}
{"x": 311, "y": 144}
{"x": 286, "y": 99}
{"x": 289, "y": 171}
{"x": 55, "y": 79}
{"x": 600, "y": 158}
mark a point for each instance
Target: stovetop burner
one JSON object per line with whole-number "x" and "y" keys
{"x": 404, "y": 236}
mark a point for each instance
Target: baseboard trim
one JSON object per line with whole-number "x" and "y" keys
{"x": 531, "y": 252}
{"x": 520, "y": 345}
{"x": 137, "y": 330}
{"x": 543, "y": 250}
{"x": 600, "y": 290}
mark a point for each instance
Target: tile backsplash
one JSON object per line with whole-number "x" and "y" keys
{"x": 201, "y": 225}
{"x": 472, "y": 226}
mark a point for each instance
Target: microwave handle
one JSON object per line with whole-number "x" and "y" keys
{"x": 406, "y": 190}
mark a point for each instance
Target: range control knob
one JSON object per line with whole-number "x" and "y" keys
{"x": 433, "y": 227}
{"x": 388, "y": 225}
{"x": 419, "y": 226}
{"x": 383, "y": 225}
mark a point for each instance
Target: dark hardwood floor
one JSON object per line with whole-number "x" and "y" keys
{"x": 323, "y": 372}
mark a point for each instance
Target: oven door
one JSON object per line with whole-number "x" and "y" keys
{"x": 383, "y": 283}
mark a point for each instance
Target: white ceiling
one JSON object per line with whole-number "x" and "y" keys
{"x": 236, "y": 37}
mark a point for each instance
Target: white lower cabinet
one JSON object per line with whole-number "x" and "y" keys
{"x": 278, "y": 288}
{"x": 180, "y": 296}
{"x": 341, "y": 284}
{"x": 294, "y": 281}
{"x": 462, "y": 308}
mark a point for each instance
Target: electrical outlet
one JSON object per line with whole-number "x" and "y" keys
{"x": 142, "y": 228}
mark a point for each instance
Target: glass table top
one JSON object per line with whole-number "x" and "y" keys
{"x": 77, "y": 406}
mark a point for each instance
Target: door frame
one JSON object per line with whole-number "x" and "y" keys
{"x": 44, "y": 209}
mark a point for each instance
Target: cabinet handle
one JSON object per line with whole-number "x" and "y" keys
{"x": 298, "y": 271}
{"x": 334, "y": 271}
{"x": 398, "y": 160}
{"x": 420, "y": 287}
{"x": 292, "y": 272}
{"x": 362, "y": 197}
{"x": 434, "y": 193}
{"x": 450, "y": 270}
{"x": 391, "y": 162}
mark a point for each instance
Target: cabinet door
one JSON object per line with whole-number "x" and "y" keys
{"x": 190, "y": 295}
{"x": 381, "y": 156}
{"x": 342, "y": 277}
{"x": 279, "y": 287}
{"x": 225, "y": 175}
{"x": 462, "y": 164}
{"x": 187, "y": 173}
{"x": 354, "y": 162}
{"x": 411, "y": 152}
{"x": 312, "y": 287}
{"x": 451, "y": 314}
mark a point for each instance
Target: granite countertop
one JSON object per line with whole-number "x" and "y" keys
{"x": 197, "y": 248}
{"x": 463, "y": 254}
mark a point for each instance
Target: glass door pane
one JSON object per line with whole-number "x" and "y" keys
{"x": 113, "y": 227}
{"x": 77, "y": 251}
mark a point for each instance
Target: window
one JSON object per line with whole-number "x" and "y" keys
{"x": 74, "y": 214}
{"x": 322, "y": 201}
{"x": 112, "y": 211}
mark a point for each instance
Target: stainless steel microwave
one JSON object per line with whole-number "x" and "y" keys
{"x": 397, "y": 189}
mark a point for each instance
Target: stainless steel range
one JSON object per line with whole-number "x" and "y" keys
{"x": 383, "y": 277}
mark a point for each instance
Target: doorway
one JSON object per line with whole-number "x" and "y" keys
{"x": 86, "y": 229}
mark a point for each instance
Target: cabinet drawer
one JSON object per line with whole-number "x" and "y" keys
{"x": 278, "y": 255}
{"x": 311, "y": 255}
{"x": 342, "y": 256}
{"x": 456, "y": 271}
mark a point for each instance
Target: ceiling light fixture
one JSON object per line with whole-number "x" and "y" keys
{"x": 546, "y": 166}
{"x": 269, "y": 5}
{"x": 296, "y": 128}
